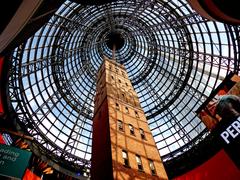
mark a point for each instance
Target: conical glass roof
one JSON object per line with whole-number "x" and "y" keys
{"x": 173, "y": 56}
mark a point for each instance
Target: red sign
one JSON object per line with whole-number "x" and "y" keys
{"x": 219, "y": 167}
{"x": 2, "y": 140}
{"x": 1, "y": 68}
{"x": 29, "y": 175}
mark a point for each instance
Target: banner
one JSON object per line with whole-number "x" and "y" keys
{"x": 219, "y": 167}
{"x": 13, "y": 161}
{"x": 1, "y": 69}
{"x": 228, "y": 134}
{"x": 208, "y": 112}
{"x": 2, "y": 139}
{"x": 29, "y": 175}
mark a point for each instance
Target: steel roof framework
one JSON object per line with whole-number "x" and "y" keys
{"x": 173, "y": 56}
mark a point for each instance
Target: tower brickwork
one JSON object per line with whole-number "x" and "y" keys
{"x": 123, "y": 146}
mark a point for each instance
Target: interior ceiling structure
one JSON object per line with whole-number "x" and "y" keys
{"x": 173, "y": 56}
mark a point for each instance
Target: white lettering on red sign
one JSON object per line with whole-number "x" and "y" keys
{"x": 232, "y": 131}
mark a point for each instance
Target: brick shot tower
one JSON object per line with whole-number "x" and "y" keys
{"x": 123, "y": 146}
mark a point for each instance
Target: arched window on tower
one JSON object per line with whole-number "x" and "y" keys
{"x": 123, "y": 96}
{"x": 117, "y": 106}
{"x": 136, "y": 114}
{"x": 126, "y": 110}
{"x": 120, "y": 125}
{"x": 139, "y": 162}
{"x": 152, "y": 167}
{"x": 125, "y": 158}
{"x": 142, "y": 133}
{"x": 131, "y": 128}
